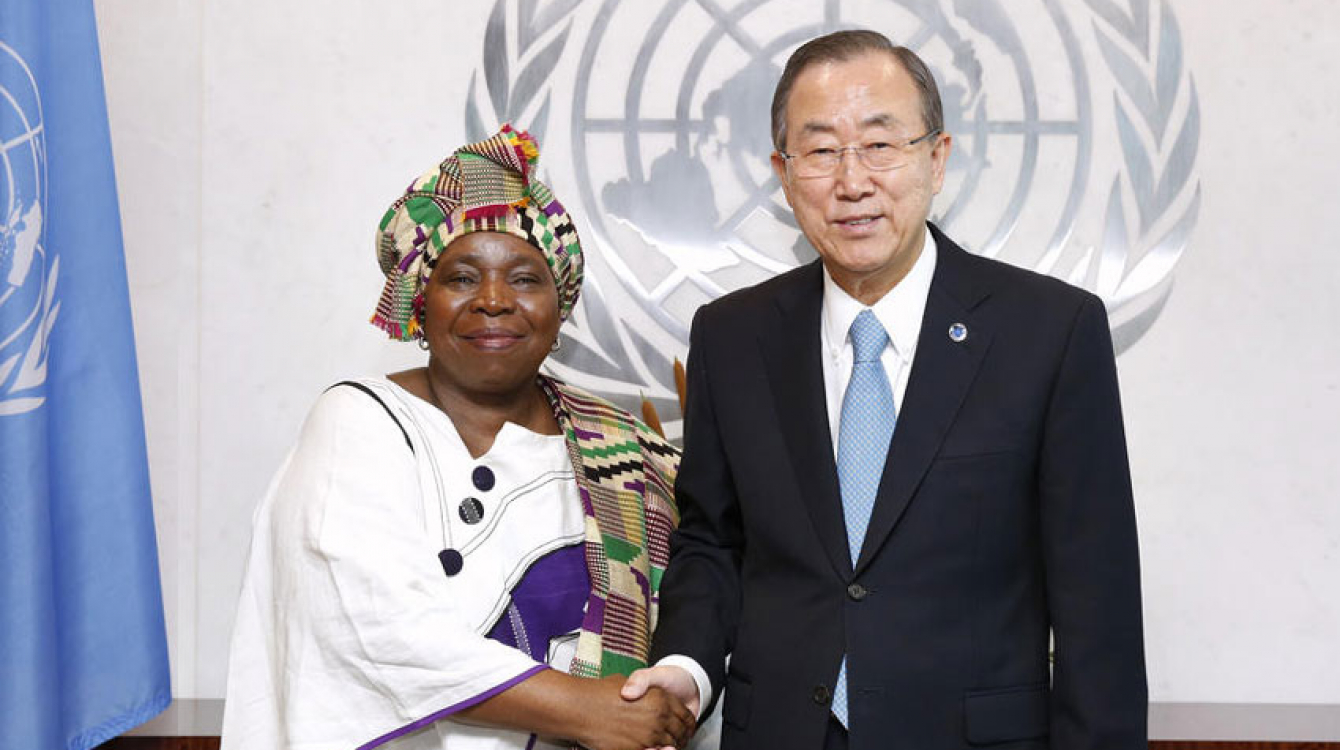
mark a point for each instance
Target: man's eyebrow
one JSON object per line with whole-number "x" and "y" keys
{"x": 881, "y": 120}
{"x": 816, "y": 127}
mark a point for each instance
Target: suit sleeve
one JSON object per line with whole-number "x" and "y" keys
{"x": 1090, "y": 550}
{"x": 700, "y": 595}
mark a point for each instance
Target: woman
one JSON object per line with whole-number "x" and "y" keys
{"x": 451, "y": 552}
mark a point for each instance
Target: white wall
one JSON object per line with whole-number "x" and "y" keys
{"x": 257, "y": 144}
{"x": 1232, "y": 398}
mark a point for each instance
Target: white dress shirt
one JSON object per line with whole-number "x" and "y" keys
{"x": 900, "y": 311}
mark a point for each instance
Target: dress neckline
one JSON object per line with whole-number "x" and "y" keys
{"x": 511, "y": 436}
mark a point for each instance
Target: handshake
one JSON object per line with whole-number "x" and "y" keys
{"x": 655, "y": 709}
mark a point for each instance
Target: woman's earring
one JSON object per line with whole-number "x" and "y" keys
{"x": 419, "y": 332}
{"x": 558, "y": 344}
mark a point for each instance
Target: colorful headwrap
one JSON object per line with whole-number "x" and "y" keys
{"x": 488, "y": 186}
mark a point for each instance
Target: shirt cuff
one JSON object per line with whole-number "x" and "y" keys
{"x": 695, "y": 671}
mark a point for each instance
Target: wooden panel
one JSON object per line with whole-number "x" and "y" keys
{"x": 1181, "y": 745}
{"x": 161, "y": 743}
{"x": 212, "y": 743}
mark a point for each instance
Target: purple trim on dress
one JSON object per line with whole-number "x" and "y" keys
{"x": 449, "y": 710}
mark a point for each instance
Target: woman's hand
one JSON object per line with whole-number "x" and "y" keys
{"x": 586, "y": 711}
{"x": 656, "y": 720}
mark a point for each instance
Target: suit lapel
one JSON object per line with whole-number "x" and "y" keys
{"x": 791, "y": 353}
{"x": 942, "y": 372}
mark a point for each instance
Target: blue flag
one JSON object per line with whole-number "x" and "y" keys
{"x": 82, "y": 640}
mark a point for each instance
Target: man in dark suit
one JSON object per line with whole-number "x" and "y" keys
{"x": 904, "y": 468}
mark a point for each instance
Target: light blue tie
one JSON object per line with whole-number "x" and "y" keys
{"x": 864, "y": 432}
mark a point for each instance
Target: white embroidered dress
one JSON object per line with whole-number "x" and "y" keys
{"x": 349, "y": 631}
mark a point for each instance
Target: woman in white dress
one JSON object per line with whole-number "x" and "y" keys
{"x": 467, "y": 554}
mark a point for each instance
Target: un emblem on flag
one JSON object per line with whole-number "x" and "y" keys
{"x": 28, "y": 273}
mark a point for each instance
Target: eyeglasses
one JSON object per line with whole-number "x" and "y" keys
{"x": 877, "y": 157}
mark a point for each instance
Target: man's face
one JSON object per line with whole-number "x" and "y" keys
{"x": 868, "y": 226}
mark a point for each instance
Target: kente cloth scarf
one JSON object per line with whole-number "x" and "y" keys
{"x": 625, "y": 473}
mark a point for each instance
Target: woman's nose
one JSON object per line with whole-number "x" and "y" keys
{"x": 494, "y": 295}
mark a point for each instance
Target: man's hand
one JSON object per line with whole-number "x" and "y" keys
{"x": 673, "y": 680}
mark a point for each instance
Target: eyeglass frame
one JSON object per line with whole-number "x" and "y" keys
{"x": 860, "y": 152}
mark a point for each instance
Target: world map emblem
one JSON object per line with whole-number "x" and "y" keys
{"x": 28, "y": 272}
{"x": 1076, "y": 128}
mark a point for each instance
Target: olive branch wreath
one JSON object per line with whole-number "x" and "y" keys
{"x": 1133, "y": 274}
{"x": 511, "y": 96}
{"x": 519, "y": 56}
{"x": 32, "y": 361}
{"x": 1131, "y": 271}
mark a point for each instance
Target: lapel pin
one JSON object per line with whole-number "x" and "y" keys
{"x": 958, "y": 333}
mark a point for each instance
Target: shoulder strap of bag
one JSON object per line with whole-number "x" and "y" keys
{"x": 378, "y": 399}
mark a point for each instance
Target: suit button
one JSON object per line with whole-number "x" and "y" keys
{"x": 822, "y": 695}
{"x": 857, "y": 592}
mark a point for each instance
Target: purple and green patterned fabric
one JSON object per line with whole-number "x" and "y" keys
{"x": 489, "y": 186}
{"x": 625, "y": 474}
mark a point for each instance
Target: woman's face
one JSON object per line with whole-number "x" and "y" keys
{"x": 490, "y": 313}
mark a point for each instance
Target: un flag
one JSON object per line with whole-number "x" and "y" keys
{"x": 81, "y": 614}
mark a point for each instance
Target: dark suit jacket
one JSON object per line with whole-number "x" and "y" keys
{"x": 1004, "y": 513}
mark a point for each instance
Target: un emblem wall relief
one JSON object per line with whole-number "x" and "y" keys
{"x": 1076, "y": 131}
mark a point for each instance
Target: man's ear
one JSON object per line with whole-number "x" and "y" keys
{"x": 779, "y": 169}
{"x": 940, "y": 158}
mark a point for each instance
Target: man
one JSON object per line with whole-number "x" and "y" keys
{"x": 904, "y": 466}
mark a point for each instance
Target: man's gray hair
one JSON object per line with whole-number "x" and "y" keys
{"x": 841, "y": 46}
